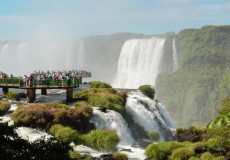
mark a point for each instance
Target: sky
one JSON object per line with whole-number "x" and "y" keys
{"x": 28, "y": 19}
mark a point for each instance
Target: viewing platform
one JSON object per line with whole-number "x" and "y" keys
{"x": 31, "y": 84}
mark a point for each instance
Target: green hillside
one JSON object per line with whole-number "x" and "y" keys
{"x": 193, "y": 93}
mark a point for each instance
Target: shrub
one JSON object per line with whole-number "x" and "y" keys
{"x": 194, "y": 158}
{"x": 66, "y": 134}
{"x": 81, "y": 104}
{"x": 182, "y": 153}
{"x": 103, "y": 97}
{"x": 162, "y": 150}
{"x": 119, "y": 156}
{"x": 14, "y": 147}
{"x": 214, "y": 146}
{"x": 224, "y": 106}
{"x": 206, "y": 156}
{"x": 74, "y": 155}
{"x": 148, "y": 90}
{"x": 218, "y": 158}
{"x": 219, "y": 140}
{"x": 4, "y": 107}
{"x": 12, "y": 95}
{"x": 98, "y": 84}
{"x": 154, "y": 135}
{"x": 102, "y": 140}
{"x": 44, "y": 115}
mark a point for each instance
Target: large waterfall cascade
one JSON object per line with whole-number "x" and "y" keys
{"x": 139, "y": 62}
{"x": 149, "y": 114}
{"x": 175, "y": 57}
{"x": 112, "y": 120}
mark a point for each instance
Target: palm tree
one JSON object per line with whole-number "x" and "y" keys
{"x": 220, "y": 121}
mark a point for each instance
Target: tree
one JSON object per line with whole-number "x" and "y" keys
{"x": 14, "y": 147}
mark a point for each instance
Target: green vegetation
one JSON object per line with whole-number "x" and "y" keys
{"x": 4, "y": 107}
{"x": 193, "y": 93}
{"x": 44, "y": 115}
{"x": 66, "y": 134}
{"x": 182, "y": 153}
{"x": 148, "y": 90}
{"x": 205, "y": 143}
{"x": 102, "y": 140}
{"x": 14, "y": 147}
{"x": 98, "y": 84}
{"x": 119, "y": 156}
{"x": 162, "y": 150}
{"x": 154, "y": 135}
{"x": 103, "y": 97}
{"x": 12, "y": 95}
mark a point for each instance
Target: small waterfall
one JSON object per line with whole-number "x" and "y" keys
{"x": 139, "y": 62}
{"x": 149, "y": 114}
{"x": 175, "y": 58}
{"x": 112, "y": 120}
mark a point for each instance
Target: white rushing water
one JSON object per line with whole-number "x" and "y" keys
{"x": 175, "y": 57}
{"x": 148, "y": 114}
{"x": 112, "y": 120}
{"x": 139, "y": 62}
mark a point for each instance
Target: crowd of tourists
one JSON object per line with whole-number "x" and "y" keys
{"x": 43, "y": 78}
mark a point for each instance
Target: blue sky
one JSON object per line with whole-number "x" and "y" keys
{"x": 26, "y": 19}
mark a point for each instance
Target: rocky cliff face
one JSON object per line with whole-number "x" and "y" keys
{"x": 192, "y": 93}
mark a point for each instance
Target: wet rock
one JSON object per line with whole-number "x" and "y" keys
{"x": 126, "y": 150}
{"x": 22, "y": 95}
{"x": 103, "y": 109}
{"x": 142, "y": 143}
{"x": 106, "y": 156}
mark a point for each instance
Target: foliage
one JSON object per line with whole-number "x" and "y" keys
{"x": 219, "y": 140}
{"x": 224, "y": 106}
{"x": 102, "y": 140}
{"x": 74, "y": 155}
{"x": 162, "y": 150}
{"x": 44, "y": 115}
{"x": 154, "y": 135}
{"x": 66, "y": 134}
{"x": 148, "y": 90}
{"x": 12, "y": 95}
{"x": 119, "y": 156}
{"x": 194, "y": 158}
{"x": 206, "y": 156}
{"x": 15, "y": 148}
{"x": 220, "y": 121}
{"x": 182, "y": 153}
{"x": 193, "y": 92}
{"x": 4, "y": 107}
{"x": 103, "y": 97}
{"x": 98, "y": 84}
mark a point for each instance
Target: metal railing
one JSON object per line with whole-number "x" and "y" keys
{"x": 49, "y": 83}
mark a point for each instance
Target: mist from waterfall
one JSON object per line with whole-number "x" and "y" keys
{"x": 149, "y": 114}
{"x": 112, "y": 120}
{"x": 139, "y": 62}
{"x": 21, "y": 58}
{"x": 175, "y": 57}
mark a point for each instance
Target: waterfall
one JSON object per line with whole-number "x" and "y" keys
{"x": 149, "y": 114}
{"x": 139, "y": 62}
{"x": 112, "y": 120}
{"x": 175, "y": 58}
